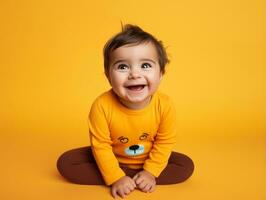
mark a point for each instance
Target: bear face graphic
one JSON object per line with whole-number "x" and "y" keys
{"x": 133, "y": 147}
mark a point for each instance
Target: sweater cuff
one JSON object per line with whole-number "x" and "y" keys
{"x": 153, "y": 170}
{"x": 114, "y": 177}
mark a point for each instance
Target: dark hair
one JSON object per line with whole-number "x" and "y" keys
{"x": 132, "y": 34}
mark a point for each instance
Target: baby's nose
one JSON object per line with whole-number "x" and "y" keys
{"x": 134, "y": 73}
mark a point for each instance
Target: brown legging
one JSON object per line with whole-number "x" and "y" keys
{"x": 79, "y": 166}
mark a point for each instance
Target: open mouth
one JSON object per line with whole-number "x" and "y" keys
{"x": 135, "y": 87}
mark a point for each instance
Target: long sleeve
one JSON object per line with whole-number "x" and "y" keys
{"x": 164, "y": 142}
{"x": 102, "y": 145}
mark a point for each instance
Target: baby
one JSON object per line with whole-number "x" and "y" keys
{"x": 133, "y": 125}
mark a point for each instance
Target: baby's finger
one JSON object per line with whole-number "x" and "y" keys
{"x": 121, "y": 194}
{"x": 139, "y": 180}
{"x": 152, "y": 188}
{"x": 114, "y": 193}
{"x": 135, "y": 177}
{"x": 127, "y": 190}
{"x": 142, "y": 185}
{"x": 132, "y": 186}
{"x": 146, "y": 188}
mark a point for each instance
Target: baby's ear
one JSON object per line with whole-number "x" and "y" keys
{"x": 106, "y": 75}
{"x": 161, "y": 76}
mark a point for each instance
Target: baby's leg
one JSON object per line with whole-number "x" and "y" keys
{"x": 179, "y": 168}
{"x": 79, "y": 166}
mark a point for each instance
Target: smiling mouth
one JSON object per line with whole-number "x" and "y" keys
{"x": 135, "y": 87}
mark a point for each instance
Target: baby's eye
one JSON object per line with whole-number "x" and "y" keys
{"x": 146, "y": 65}
{"x": 122, "y": 67}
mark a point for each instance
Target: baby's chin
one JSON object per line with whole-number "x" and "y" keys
{"x": 135, "y": 102}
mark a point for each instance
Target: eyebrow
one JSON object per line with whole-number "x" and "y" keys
{"x": 145, "y": 59}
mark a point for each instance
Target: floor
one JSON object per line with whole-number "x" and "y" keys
{"x": 226, "y": 168}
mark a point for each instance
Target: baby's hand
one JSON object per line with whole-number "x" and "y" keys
{"x": 123, "y": 187}
{"x": 145, "y": 181}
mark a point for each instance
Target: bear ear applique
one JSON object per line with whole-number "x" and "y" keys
{"x": 144, "y": 136}
{"x": 123, "y": 139}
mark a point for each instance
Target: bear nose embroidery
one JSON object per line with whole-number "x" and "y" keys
{"x": 134, "y": 148}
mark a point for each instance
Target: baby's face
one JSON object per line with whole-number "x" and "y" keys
{"x": 134, "y": 74}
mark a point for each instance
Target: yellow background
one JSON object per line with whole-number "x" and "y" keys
{"x": 51, "y": 69}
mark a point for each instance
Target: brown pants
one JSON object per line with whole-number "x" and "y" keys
{"x": 79, "y": 166}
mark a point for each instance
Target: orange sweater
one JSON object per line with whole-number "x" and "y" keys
{"x": 137, "y": 138}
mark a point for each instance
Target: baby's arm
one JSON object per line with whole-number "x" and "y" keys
{"x": 101, "y": 144}
{"x": 164, "y": 141}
